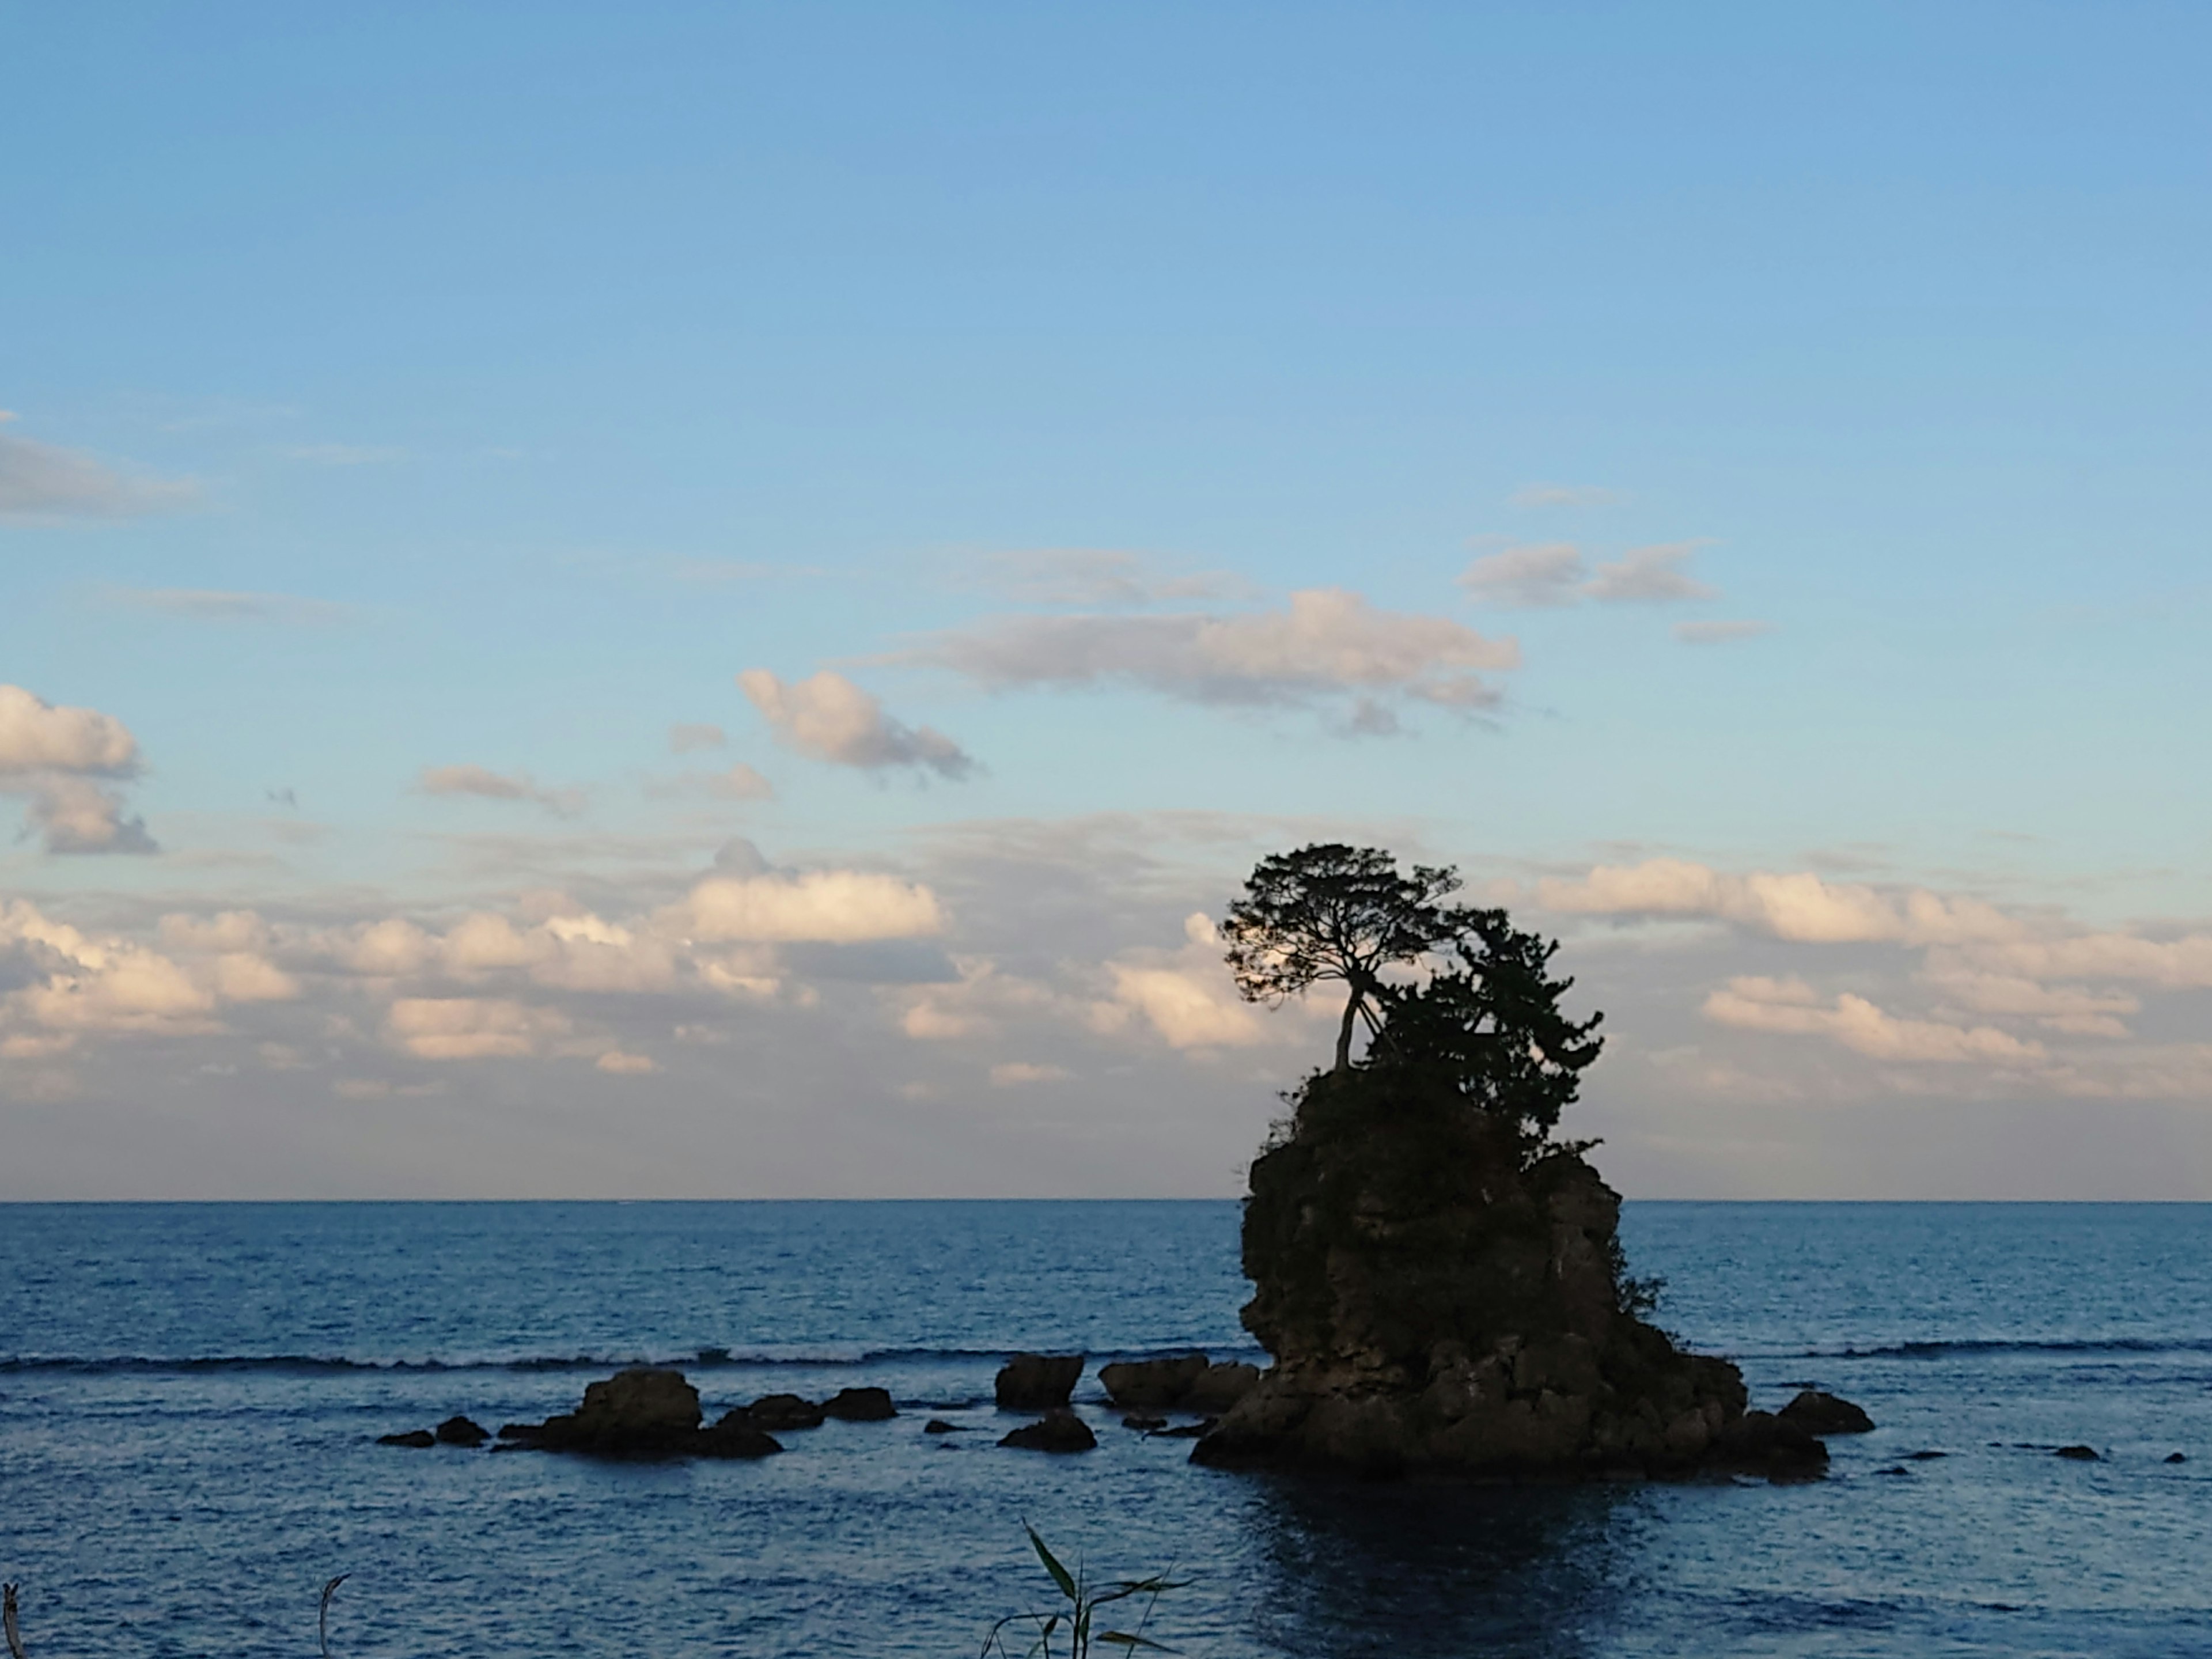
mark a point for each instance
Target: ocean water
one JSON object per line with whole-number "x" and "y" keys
{"x": 190, "y": 1395}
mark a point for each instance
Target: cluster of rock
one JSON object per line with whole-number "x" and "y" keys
{"x": 647, "y": 1411}
{"x": 1439, "y": 1300}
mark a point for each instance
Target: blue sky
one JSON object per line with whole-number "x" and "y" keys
{"x": 487, "y": 388}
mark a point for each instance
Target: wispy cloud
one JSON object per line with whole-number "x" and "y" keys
{"x": 1720, "y": 632}
{"x": 1557, "y": 495}
{"x": 1547, "y": 574}
{"x": 1325, "y": 645}
{"x": 1097, "y": 578}
{"x": 219, "y": 605}
{"x": 687, "y": 738}
{"x": 45, "y": 482}
{"x": 488, "y": 785}
{"x": 65, "y": 759}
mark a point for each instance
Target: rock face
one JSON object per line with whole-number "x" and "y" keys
{"x": 642, "y": 1413}
{"x": 1037, "y": 1382}
{"x": 1188, "y": 1383}
{"x": 1437, "y": 1300}
{"x": 1058, "y": 1430}
{"x": 1824, "y": 1414}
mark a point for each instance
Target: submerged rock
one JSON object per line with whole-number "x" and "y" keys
{"x": 460, "y": 1432}
{"x": 1440, "y": 1297}
{"x": 1817, "y": 1412}
{"x": 1058, "y": 1430}
{"x": 860, "y": 1405}
{"x": 1037, "y": 1382}
{"x": 777, "y": 1413}
{"x": 417, "y": 1439}
{"x": 939, "y": 1425}
{"x": 2080, "y": 1454}
{"x": 643, "y": 1412}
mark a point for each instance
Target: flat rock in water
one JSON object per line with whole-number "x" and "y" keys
{"x": 1818, "y": 1413}
{"x": 417, "y": 1439}
{"x": 1057, "y": 1431}
{"x": 775, "y": 1413}
{"x": 860, "y": 1405}
{"x": 939, "y": 1425}
{"x": 1037, "y": 1382}
{"x": 460, "y": 1432}
{"x": 1138, "y": 1420}
{"x": 2079, "y": 1454}
{"x": 2177, "y": 1457}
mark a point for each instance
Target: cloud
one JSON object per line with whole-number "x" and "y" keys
{"x": 831, "y": 719}
{"x": 1554, "y": 494}
{"x": 1546, "y": 573}
{"x": 1552, "y": 573}
{"x": 1188, "y": 999}
{"x": 1798, "y": 906}
{"x": 1012, "y": 1074}
{"x": 471, "y": 1028}
{"x": 825, "y": 906}
{"x": 1649, "y": 575}
{"x": 44, "y": 482}
{"x": 1326, "y": 644}
{"x": 738, "y": 782}
{"x": 1759, "y": 1004}
{"x": 625, "y": 1065}
{"x": 35, "y": 736}
{"x": 215, "y": 605}
{"x": 1094, "y": 577}
{"x": 54, "y": 755}
{"x": 488, "y": 785}
{"x": 1719, "y": 633}
{"x": 684, "y": 740}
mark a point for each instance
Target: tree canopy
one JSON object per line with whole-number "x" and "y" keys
{"x": 1484, "y": 1026}
{"x": 1333, "y": 912}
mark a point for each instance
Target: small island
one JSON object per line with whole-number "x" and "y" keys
{"x": 1440, "y": 1281}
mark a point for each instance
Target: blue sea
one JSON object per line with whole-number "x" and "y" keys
{"x": 190, "y": 1397}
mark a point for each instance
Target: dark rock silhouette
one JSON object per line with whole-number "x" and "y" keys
{"x": 460, "y": 1432}
{"x": 777, "y": 1413}
{"x": 1036, "y": 1382}
{"x": 1187, "y": 1383}
{"x": 939, "y": 1425}
{"x": 2177, "y": 1457}
{"x": 1443, "y": 1293}
{"x": 1058, "y": 1430}
{"x": 642, "y": 1412}
{"x": 1137, "y": 1420}
{"x": 1150, "y": 1385}
{"x": 1825, "y": 1414}
{"x": 414, "y": 1438}
{"x": 860, "y": 1405}
{"x": 2080, "y": 1454}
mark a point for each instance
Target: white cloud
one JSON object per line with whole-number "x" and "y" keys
{"x": 825, "y": 906}
{"x": 471, "y": 1028}
{"x": 43, "y": 481}
{"x": 1545, "y": 573}
{"x": 831, "y": 719}
{"x": 1649, "y": 575}
{"x": 1719, "y": 633}
{"x": 488, "y": 785}
{"x": 1798, "y": 906}
{"x": 35, "y": 736}
{"x": 53, "y": 754}
{"x": 1327, "y": 643}
{"x": 1189, "y": 999}
{"x": 1790, "y": 1006}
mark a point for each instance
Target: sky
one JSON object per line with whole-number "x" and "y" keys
{"x": 715, "y": 600}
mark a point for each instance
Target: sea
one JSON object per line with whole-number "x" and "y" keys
{"x": 190, "y": 1397}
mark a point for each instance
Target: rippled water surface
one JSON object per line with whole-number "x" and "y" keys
{"x": 190, "y": 1395}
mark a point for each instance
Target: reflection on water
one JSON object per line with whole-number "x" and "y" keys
{"x": 1421, "y": 1571}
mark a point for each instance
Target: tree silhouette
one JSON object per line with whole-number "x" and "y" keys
{"x": 1333, "y": 912}
{"x": 1490, "y": 1029}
